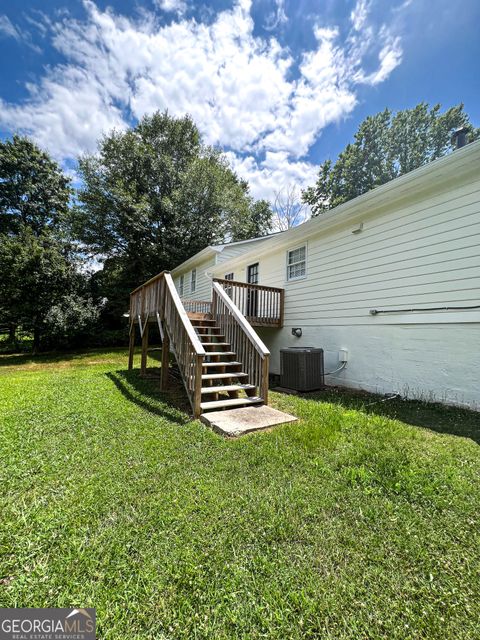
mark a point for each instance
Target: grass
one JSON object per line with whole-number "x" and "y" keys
{"x": 359, "y": 521}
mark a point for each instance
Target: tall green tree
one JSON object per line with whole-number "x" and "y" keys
{"x": 44, "y": 291}
{"x": 152, "y": 197}
{"x": 42, "y": 288}
{"x": 385, "y": 146}
{"x": 34, "y": 192}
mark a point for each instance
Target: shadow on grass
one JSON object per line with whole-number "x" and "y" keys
{"x": 437, "y": 417}
{"x": 145, "y": 393}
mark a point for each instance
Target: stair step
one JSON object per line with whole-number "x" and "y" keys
{"x": 201, "y": 321}
{"x": 228, "y": 387}
{"x": 232, "y": 402}
{"x": 220, "y": 353}
{"x": 206, "y": 334}
{"x": 222, "y": 376}
{"x": 222, "y": 364}
{"x": 215, "y": 344}
{"x": 197, "y": 327}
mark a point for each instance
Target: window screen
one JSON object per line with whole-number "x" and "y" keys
{"x": 296, "y": 263}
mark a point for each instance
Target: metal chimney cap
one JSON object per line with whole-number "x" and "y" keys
{"x": 459, "y": 137}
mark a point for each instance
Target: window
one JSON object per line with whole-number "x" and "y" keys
{"x": 252, "y": 294}
{"x": 252, "y": 273}
{"x": 297, "y": 263}
{"x": 181, "y": 285}
{"x": 228, "y": 289}
{"x": 193, "y": 281}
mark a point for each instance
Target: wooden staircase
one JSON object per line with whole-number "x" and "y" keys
{"x": 224, "y": 383}
{"x": 222, "y": 361}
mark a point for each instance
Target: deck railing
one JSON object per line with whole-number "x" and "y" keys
{"x": 250, "y": 350}
{"x": 262, "y": 306}
{"x": 185, "y": 343}
{"x": 158, "y": 300}
{"x": 146, "y": 300}
{"x": 197, "y": 306}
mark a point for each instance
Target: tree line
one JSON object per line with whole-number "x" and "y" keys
{"x": 387, "y": 145}
{"x": 151, "y": 197}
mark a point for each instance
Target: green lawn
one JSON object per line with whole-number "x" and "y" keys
{"x": 347, "y": 524}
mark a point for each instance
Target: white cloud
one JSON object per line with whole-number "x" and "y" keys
{"x": 359, "y": 15}
{"x": 271, "y": 174}
{"x": 276, "y": 17}
{"x": 248, "y": 94}
{"x": 389, "y": 57}
{"x": 177, "y": 6}
{"x": 9, "y": 30}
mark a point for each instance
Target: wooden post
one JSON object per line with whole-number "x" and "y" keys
{"x": 197, "y": 394}
{"x": 282, "y": 307}
{"x": 131, "y": 346}
{"x": 265, "y": 372}
{"x": 143, "y": 366}
{"x": 165, "y": 360}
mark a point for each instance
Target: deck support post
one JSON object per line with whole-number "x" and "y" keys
{"x": 131, "y": 346}
{"x": 197, "y": 393}
{"x": 265, "y": 371}
{"x": 165, "y": 361}
{"x": 143, "y": 366}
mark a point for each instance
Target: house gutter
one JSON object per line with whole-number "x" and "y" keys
{"x": 458, "y": 163}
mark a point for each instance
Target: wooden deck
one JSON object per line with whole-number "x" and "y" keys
{"x": 222, "y": 361}
{"x": 262, "y": 306}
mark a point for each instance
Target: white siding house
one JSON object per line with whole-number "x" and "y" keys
{"x": 409, "y": 251}
{"x": 203, "y": 263}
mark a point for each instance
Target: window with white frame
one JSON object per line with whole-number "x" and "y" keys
{"x": 181, "y": 285}
{"x": 193, "y": 281}
{"x": 229, "y": 276}
{"x": 297, "y": 263}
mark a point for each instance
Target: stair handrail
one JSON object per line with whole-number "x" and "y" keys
{"x": 236, "y": 328}
{"x": 240, "y": 318}
{"x": 183, "y": 316}
{"x": 185, "y": 343}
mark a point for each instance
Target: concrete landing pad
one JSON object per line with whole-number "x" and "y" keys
{"x": 236, "y": 422}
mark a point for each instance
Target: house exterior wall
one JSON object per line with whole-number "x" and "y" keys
{"x": 203, "y": 290}
{"x": 421, "y": 252}
{"x": 234, "y": 250}
{"x": 205, "y": 266}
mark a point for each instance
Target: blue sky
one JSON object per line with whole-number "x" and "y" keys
{"x": 280, "y": 85}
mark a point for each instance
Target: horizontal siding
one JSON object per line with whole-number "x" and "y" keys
{"x": 420, "y": 254}
{"x": 423, "y": 254}
{"x": 204, "y": 283}
{"x": 230, "y": 252}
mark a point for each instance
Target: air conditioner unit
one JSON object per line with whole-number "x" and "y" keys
{"x": 301, "y": 368}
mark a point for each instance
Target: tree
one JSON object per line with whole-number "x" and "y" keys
{"x": 44, "y": 291}
{"x": 385, "y": 147}
{"x": 40, "y": 279}
{"x": 257, "y": 223}
{"x": 34, "y": 192}
{"x": 288, "y": 209}
{"x": 153, "y": 196}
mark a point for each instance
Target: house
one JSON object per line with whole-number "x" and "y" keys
{"x": 387, "y": 284}
{"x": 192, "y": 278}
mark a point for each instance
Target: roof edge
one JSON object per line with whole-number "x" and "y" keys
{"x": 376, "y": 196}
